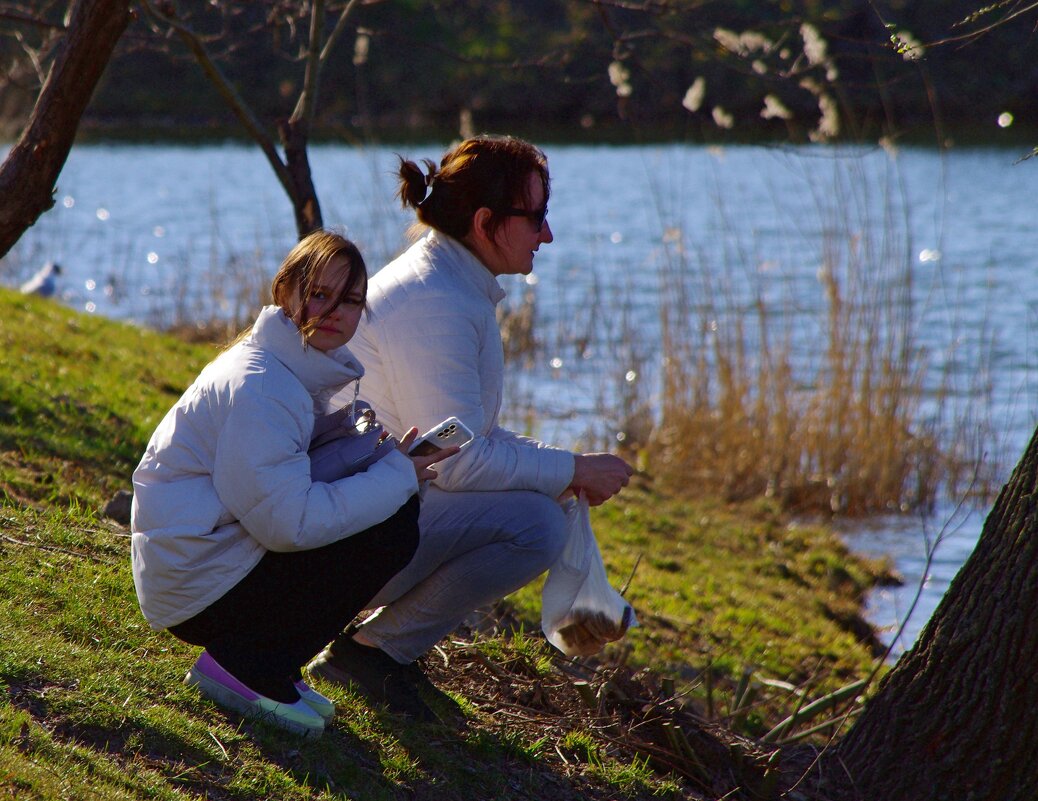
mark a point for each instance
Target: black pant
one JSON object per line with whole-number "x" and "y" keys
{"x": 292, "y": 604}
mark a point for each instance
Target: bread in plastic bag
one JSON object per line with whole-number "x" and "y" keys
{"x": 580, "y": 610}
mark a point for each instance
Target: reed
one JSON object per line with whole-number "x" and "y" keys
{"x": 819, "y": 395}
{"x": 216, "y": 303}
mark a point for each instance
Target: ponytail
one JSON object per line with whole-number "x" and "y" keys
{"x": 483, "y": 172}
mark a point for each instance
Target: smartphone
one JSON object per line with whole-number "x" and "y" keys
{"x": 450, "y": 432}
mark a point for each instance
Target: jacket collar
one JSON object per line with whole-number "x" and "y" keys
{"x": 316, "y": 370}
{"x": 449, "y": 252}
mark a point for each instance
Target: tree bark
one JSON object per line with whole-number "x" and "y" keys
{"x": 300, "y": 187}
{"x": 30, "y": 171}
{"x": 957, "y": 718}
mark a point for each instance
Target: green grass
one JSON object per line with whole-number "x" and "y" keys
{"x": 723, "y": 588}
{"x": 92, "y": 703}
{"x": 78, "y": 396}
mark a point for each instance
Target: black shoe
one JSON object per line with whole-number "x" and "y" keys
{"x": 376, "y": 674}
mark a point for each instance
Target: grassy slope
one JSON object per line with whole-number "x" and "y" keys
{"x": 92, "y": 702}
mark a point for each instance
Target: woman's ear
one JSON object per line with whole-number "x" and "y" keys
{"x": 481, "y": 226}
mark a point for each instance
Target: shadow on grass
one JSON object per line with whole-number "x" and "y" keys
{"x": 202, "y": 748}
{"x": 205, "y": 750}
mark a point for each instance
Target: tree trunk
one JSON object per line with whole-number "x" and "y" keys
{"x": 957, "y": 718}
{"x": 30, "y": 171}
{"x": 301, "y": 191}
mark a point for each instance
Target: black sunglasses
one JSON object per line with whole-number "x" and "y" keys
{"x": 536, "y": 217}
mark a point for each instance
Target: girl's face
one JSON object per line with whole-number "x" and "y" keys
{"x": 340, "y": 324}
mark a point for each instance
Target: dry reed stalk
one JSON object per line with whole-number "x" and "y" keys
{"x": 753, "y": 404}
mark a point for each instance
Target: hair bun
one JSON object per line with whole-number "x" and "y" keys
{"x": 414, "y": 183}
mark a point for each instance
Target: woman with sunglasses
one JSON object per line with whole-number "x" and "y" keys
{"x": 490, "y": 522}
{"x": 235, "y": 548}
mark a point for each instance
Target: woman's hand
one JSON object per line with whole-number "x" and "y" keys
{"x": 600, "y": 476}
{"x": 422, "y": 467}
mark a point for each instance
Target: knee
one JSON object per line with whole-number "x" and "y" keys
{"x": 543, "y": 527}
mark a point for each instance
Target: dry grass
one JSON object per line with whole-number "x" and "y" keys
{"x": 824, "y": 400}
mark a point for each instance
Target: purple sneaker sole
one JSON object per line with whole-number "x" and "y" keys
{"x": 217, "y": 684}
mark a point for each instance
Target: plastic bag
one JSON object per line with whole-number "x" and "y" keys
{"x": 580, "y": 611}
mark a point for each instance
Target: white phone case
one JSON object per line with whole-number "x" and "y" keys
{"x": 450, "y": 432}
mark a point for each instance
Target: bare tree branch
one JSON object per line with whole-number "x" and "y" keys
{"x": 989, "y": 27}
{"x": 252, "y": 124}
{"x": 340, "y": 26}
{"x": 26, "y": 19}
{"x": 318, "y": 55}
{"x": 291, "y": 165}
{"x": 31, "y": 169}
{"x": 308, "y": 97}
{"x": 33, "y": 57}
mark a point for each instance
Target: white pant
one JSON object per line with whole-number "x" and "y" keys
{"x": 475, "y": 548}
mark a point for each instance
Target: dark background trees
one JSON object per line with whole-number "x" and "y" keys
{"x": 410, "y": 68}
{"x": 700, "y": 70}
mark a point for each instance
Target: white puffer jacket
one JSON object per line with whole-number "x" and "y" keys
{"x": 226, "y": 476}
{"x": 431, "y": 348}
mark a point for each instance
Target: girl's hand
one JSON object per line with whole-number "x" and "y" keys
{"x": 422, "y": 464}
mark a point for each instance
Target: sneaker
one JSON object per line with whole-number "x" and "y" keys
{"x": 380, "y": 677}
{"x": 215, "y": 683}
{"x": 318, "y": 703}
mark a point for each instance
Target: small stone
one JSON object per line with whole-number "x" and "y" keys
{"x": 119, "y": 507}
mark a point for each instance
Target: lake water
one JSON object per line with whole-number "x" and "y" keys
{"x": 166, "y": 234}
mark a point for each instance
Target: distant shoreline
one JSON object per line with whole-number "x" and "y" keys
{"x": 169, "y": 131}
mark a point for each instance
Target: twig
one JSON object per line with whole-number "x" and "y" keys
{"x": 660, "y": 754}
{"x": 838, "y": 719}
{"x": 56, "y": 549}
{"x": 231, "y": 96}
{"x": 14, "y": 16}
{"x": 340, "y": 26}
{"x": 627, "y": 584}
{"x": 215, "y": 740}
{"x": 311, "y": 77}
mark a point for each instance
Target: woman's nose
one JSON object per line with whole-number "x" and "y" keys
{"x": 546, "y": 234}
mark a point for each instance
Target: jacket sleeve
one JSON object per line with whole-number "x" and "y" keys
{"x": 261, "y": 473}
{"x": 432, "y": 362}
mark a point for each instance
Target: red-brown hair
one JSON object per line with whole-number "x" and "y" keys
{"x": 482, "y": 172}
